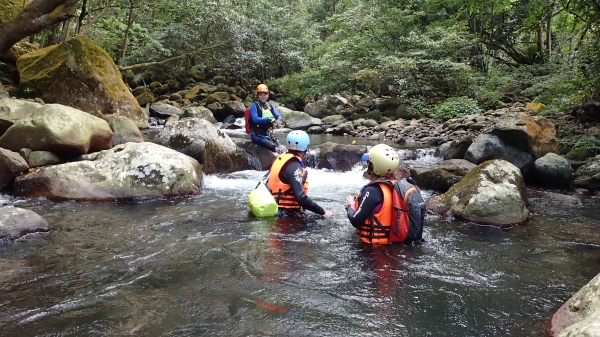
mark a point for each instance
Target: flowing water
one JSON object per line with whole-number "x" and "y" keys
{"x": 201, "y": 266}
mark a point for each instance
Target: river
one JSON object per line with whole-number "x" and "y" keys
{"x": 202, "y": 266}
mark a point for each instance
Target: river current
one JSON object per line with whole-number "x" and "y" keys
{"x": 202, "y": 266}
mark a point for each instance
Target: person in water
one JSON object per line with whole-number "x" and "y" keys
{"x": 263, "y": 116}
{"x": 288, "y": 179}
{"x": 374, "y": 200}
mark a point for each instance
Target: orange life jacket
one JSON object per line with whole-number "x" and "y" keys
{"x": 370, "y": 232}
{"x": 282, "y": 192}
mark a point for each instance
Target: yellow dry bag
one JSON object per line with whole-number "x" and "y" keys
{"x": 261, "y": 201}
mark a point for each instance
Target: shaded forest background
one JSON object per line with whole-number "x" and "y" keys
{"x": 441, "y": 57}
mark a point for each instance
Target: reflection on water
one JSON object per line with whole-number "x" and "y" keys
{"x": 202, "y": 266}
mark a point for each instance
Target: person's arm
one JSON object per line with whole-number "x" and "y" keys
{"x": 371, "y": 197}
{"x": 291, "y": 173}
{"x": 254, "y": 115}
{"x": 275, "y": 112}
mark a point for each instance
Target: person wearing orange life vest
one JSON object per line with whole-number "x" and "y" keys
{"x": 374, "y": 202}
{"x": 263, "y": 116}
{"x": 288, "y": 179}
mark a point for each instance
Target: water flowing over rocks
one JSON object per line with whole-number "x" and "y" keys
{"x": 127, "y": 171}
{"x": 16, "y": 222}
{"x": 441, "y": 176}
{"x": 335, "y": 157}
{"x": 79, "y": 73}
{"x": 200, "y": 140}
{"x": 492, "y": 193}
{"x": 60, "y": 129}
{"x": 580, "y": 315}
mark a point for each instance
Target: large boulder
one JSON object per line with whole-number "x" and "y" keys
{"x": 536, "y": 136}
{"x": 297, "y": 120}
{"x": 198, "y": 112}
{"x": 79, "y": 73}
{"x": 580, "y": 315}
{"x": 125, "y": 131}
{"x": 493, "y": 193}
{"x": 316, "y": 109}
{"x": 552, "y": 170}
{"x": 333, "y": 156}
{"x": 164, "y": 111}
{"x": 260, "y": 158}
{"x": 11, "y": 165}
{"x": 199, "y": 139}
{"x": 455, "y": 149}
{"x": 441, "y": 176}
{"x": 125, "y": 172}
{"x": 13, "y": 110}
{"x": 16, "y": 222}
{"x": 59, "y": 129}
{"x": 588, "y": 175}
{"x": 489, "y": 146}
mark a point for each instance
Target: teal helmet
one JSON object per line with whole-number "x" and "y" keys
{"x": 297, "y": 140}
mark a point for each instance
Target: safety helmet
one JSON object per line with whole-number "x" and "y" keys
{"x": 384, "y": 159}
{"x": 297, "y": 140}
{"x": 262, "y": 88}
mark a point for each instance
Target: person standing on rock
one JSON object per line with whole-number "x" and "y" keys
{"x": 288, "y": 179}
{"x": 263, "y": 116}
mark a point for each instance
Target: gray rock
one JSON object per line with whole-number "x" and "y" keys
{"x": 536, "y": 136}
{"x": 488, "y": 146}
{"x": 552, "y": 170}
{"x": 580, "y": 315}
{"x": 59, "y": 129}
{"x": 316, "y": 109}
{"x": 493, "y": 193}
{"x": 333, "y": 118}
{"x": 13, "y": 110}
{"x": 199, "y": 112}
{"x": 125, "y": 131}
{"x": 588, "y": 175}
{"x": 43, "y": 158}
{"x": 344, "y": 128}
{"x": 335, "y": 156}
{"x": 11, "y": 165}
{"x": 16, "y": 222}
{"x": 127, "y": 171}
{"x": 298, "y": 120}
{"x": 441, "y": 176}
{"x": 164, "y": 111}
{"x": 260, "y": 157}
{"x": 315, "y": 130}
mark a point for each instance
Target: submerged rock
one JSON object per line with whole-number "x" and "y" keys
{"x": 16, "y": 222}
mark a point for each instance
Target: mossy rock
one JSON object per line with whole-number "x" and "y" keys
{"x": 80, "y": 74}
{"x": 10, "y": 9}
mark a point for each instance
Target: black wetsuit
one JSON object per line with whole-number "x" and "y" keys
{"x": 370, "y": 198}
{"x": 287, "y": 176}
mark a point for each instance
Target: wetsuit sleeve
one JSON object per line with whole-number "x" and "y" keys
{"x": 254, "y": 115}
{"x": 371, "y": 197}
{"x": 291, "y": 173}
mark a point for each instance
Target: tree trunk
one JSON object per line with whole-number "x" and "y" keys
{"x": 38, "y": 15}
{"x": 549, "y": 37}
{"x": 540, "y": 38}
{"x": 130, "y": 19}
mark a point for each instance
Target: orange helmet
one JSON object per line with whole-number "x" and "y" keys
{"x": 262, "y": 88}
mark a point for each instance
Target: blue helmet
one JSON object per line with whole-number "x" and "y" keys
{"x": 297, "y": 140}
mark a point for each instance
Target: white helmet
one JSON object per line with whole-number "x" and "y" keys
{"x": 384, "y": 159}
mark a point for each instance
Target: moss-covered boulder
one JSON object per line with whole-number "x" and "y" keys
{"x": 580, "y": 315}
{"x": 199, "y": 139}
{"x": 588, "y": 175}
{"x": 80, "y": 74}
{"x": 125, "y": 131}
{"x": 125, "y": 172}
{"x": 10, "y": 8}
{"x": 493, "y": 193}
{"x": 59, "y": 129}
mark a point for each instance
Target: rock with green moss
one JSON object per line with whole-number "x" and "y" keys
{"x": 588, "y": 175}
{"x": 128, "y": 171}
{"x": 493, "y": 193}
{"x": 125, "y": 131}
{"x": 199, "y": 139}
{"x": 59, "y": 129}
{"x": 79, "y": 73}
{"x": 10, "y": 9}
{"x": 580, "y": 315}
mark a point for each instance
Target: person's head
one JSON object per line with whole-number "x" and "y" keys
{"x": 262, "y": 92}
{"x": 382, "y": 161}
{"x": 297, "y": 141}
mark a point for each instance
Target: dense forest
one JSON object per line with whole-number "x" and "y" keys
{"x": 440, "y": 57}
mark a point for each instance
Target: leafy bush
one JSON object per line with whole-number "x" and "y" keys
{"x": 455, "y": 106}
{"x": 586, "y": 146}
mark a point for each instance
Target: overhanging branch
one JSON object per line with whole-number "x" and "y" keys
{"x": 141, "y": 65}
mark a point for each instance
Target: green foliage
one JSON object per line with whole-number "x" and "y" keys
{"x": 586, "y": 146}
{"x": 454, "y": 107}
